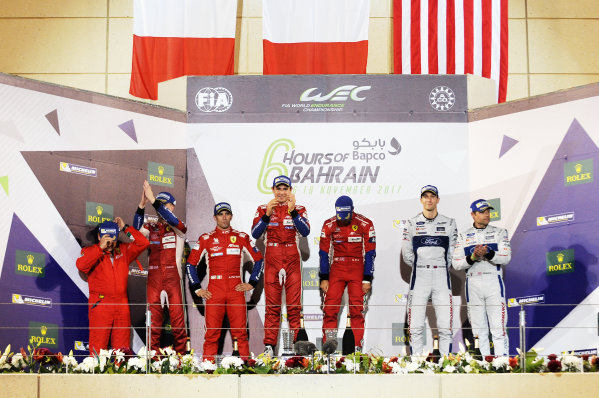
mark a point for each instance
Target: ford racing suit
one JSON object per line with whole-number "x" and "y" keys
{"x": 347, "y": 259}
{"x": 224, "y": 250}
{"x": 427, "y": 247}
{"x": 485, "y": 291}
{"x": 282, "y": 264}
{"x": 167, "y": 241}
{"x": 107, "y": 278}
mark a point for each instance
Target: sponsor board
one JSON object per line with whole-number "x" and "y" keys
{"x": 161, "y": 174}
{"x": 43, "y": 334}
{"x": 77, "y": 169}
{"x": 135, "y": 271}
{"x": 588, "y": 351}
{"x": 517, "y": 301}
{"x": 580, "y": 172}
{"x": 400, "y": 298}
{"x": 96, "y": 213}
{"x": 555, "y": 219}
{"x": 560, "y": 262}
{"x": 310, "y": 279}
{"x": 399, "y": 334}
{"x": 31, "y": 300}
{"x": 81, "y": 345}
{"x": 313, "y": 317}
{"x": 353, "y": 169}
{"x": 30, "y": 263}
{"x": 496, "y": 211}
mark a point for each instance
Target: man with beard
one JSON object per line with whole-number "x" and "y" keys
{"x": 428, "y": 243}
{"x": 224, "y": 249}
{"x": 167, "y": 241}
{"x": 481, "y": 251}
{"x": 106, "y": 265}
{"x": 281, "y": 222}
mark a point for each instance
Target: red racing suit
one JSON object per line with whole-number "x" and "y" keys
{"x": 282, "y": 264}
{"x": 350, "y": 250}
{"x": 224, "y": 250}
{"x": 167, "y": 240}
{"x": 107, "y": 280}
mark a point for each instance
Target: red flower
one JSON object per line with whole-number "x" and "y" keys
{"x": 595, "y": 360}
{"x": 295, "y": 362}
{"x": 40, "y": 354}
{"x": 552, "y": 357}
{"x": 386, "y": 368}
{"x": 250, "y": 363}
{"x": 339, "y": 363}
{"x": 393, "y": 359}
{"x": 585, "y": 357}
{"x": 554, "y": 365}
{"x": 489, "y": 358}
{"x": 514, "y": 362}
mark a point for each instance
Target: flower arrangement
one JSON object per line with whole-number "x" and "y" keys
{"x": 167, "y": 361}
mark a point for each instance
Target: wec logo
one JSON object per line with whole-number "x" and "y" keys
{"x": 340, "y": 94}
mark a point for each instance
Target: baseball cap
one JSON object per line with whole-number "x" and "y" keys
{"x": 222, "y": 206}
{"x": 166, "y": 197}
{"x": 344, "y": 207}
{"x": 281, "y": 180}
{"x": 429, "y": 188}
{"x": 108, "y": 228}
{"x": 480, "y": 205}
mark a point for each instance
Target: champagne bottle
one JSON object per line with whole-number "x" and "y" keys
{"x": 349, "y": 341}
{"x": 477, "y": 354}
{"x": 188, "y": 346}
{"x": 235, "y": 349}
{"x": 301, "y": 333}
{"x": 436, "y": 353}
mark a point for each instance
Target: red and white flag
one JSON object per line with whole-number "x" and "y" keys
{"x": 452, "y": 37}
{"x": 315, "y": 36}
{"x": 174, "y": 38}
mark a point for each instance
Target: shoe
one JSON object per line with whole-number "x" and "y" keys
{"x": 269, "y": 350}
{"x": 358, "y": 348}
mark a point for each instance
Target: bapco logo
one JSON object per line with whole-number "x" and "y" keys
{"x": 442, "y": 98}
{"x": 217, "y": 99}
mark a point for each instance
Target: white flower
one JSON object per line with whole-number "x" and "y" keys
{"x": 17, "y": 361}
{"x": 208, "y": 365}
{"x": 157, "y": 365}
{"x": 501, "y": 363}
{"x": 143, "y": 352}
{"x": 412, "y": 366}
{"x": 69, "y": 361}
{"x": 351, "y": 366}
{"x": 484, "y": 364}
{"x": 468, "y": 369}
{"x": 103, "y": 358}
{"x": 87, "y": 365}
{"x": 396, "y": 368}
{"x": 173, "y": 363}
{"x": 136, "y": 363}
{"x": 231, "y": 362}
{"x": 119, "y": 356}
{"x": 431, "y": 365}
{"x": 449, "y": 369}
{"x": 571, "y": 363}
{"x": 168, "y": 351}
{"x": 462, "y": 348}
{"x": 324, "y": 369}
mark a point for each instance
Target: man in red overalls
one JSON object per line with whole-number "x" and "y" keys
{"x": 223, "y": 249}
{"x": 347, "y": 252}
{"x": 281, "y": 222}
{"x": 106, "y": 265}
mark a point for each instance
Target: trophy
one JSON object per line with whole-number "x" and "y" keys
{"x": 288, "y": 335}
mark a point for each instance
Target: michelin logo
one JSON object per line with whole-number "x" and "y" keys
{"x": 554, "y": 219}
{"x": 76, "y": 169}
{"x": 31, "y": 300}
{"x": 517, "y": 301}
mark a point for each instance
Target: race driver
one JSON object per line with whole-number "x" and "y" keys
{"x": 347, "y": 252}
{"x": 224, "y": 250}
{"x": 106, "y": 265}
{"x": 167, "y": 241}
{"x": 281, "y": 222}
{"x": 481, "y": 251}
{"x": 428, "y": 243}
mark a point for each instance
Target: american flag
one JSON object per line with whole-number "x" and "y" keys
{"x": 452, "y": 37}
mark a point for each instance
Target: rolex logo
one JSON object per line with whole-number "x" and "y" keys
{"x": 560, "y": 257}
{"x": 99, "y": 210}
{"x": 44, "y": 330}
{"x": 30, "y": 259}
{"x": 160, "y": 170}
{"x": 313, "y": 274}
{"x": 578, "y": 168}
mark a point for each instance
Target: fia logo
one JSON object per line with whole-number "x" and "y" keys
{"x": 217, "y": 99}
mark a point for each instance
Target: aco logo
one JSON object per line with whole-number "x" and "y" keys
{"x": 96, "y": 213}
{"x": 560, "y": 262}
{"x": 270, "y": 168}
{"x": 43, "y": 334}
{"x": 580, "y": 172}
{"x": 161, "y": 174}
{"x": 30, "y": 263}
{"x": 310, "y": 279}
{"x": 442, "y": 98}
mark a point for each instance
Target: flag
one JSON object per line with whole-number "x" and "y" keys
{"x": 315, "y": 36}
{"x": 174, "y": 38}
{"x": 452, "y": 37}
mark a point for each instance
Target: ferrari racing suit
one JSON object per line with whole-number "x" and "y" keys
{"x": 347, "y": 259}
{"x": 107, "y": 278}
{"x": 224, "y": 250}
{"x": 167, "y": 240}
{"x": 485, "y": 291}
{"x": 427, "y": 247}
{"x": 282, "y": 264}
